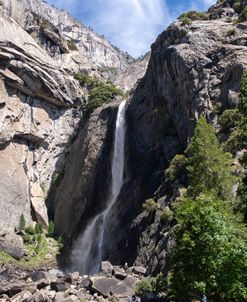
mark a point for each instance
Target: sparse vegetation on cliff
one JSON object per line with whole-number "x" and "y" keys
{"x": 150, "y": 205}
{"x": 99, "y": 92}
{"x": 192, "y": 15}
{"x": 71, "y": 45}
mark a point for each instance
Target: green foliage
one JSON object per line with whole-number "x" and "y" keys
{"x": 193, "y": 15}
{"x": 150, "y": 205}
{"x": 229, "y": 120}
{"x": 167, "y": 214}
{"x": 186, "y": 21}
{"x": 243, "y": 94}
{"x": 38, "y": 228}
{"x": 177, "y": 167}
{"x": 71, "y": 44}
{"x": 112, "y": 299}
{"x": 243, "y": 16}
{"x": 237, "y": 6}
{"x": 99, "y": 92}
{"x": 60, "y": 241}
{"x": 22, "y": 222}
{"x": 99, "y": 95}
{"x": 153, "y": 285}
{"x": 243, "y": 111}
{"x": 50, "y": 231}
{"x": 209, "y": 167}
{"x": 56, "y": 178}
{"x": 85, "y": 80}
{"x": 231, "y": 32}
{"x": 211, "y": 251}
{"x": 30, "y": 230}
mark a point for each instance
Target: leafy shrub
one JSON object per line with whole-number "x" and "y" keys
{"x": 50, "y": 231}
{"x": 112, "y": 299}
{"x": 186, "y": 21}
{"x": 243, "y": 16}
{"x": 150, "y": 205}
{"x": 71, "y": 44}
{"x": 145, "y": 286}
{"x": 85, "y": 80}
{"x": 99, "y": 92}
{"x": 99, "y": 95}
{"x": 229, "y": 119}
{"x": 243, "y": 110}
{"x": 60, "y": 241}
{"x": 153, "y": 285}
{"x": 30, "y": 230}
{"x": 22, "y": 222}
{"x": 167, "y": 214}
{"x": 231, "y": 32}
{"x": 237, "y": 6}
{"x": 233, "y": 142}
{"x": 177, "y": 167}
{"x": 194, "y": 15}
{"x": 56, "y": 178}
{"x": 210, "y": 255}
{"x": 38, "y": 228}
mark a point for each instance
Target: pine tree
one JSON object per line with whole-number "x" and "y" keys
{"x": 51, "y": 229}
{"x": 243, "y": 110}
{"x": 22, "y": 222}
{"x": 209, "y": 167}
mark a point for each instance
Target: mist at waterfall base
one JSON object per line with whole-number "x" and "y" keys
{"x": 88, "y": 250}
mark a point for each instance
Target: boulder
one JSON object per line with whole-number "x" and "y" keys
{"x": 12, "y": 244}
{"x": 72, "y": 277}
{"x": 106, "y": 286}
{"x": 38, "y": 275}
{"x": 61, "y": 297}
{"x": 60, "y": 286}
{"x": 130, "y": 281}
{"x": 42, "y": 283}
{"x": 119, "y": 272}
{"x": 106, "y": 266}
{"x": 86, "y": 282}
{"x": 140, "y": 270}
{"x": 12, "y": 289}
{"x": 22, "y": 296}
{"x": 39, "y": 296}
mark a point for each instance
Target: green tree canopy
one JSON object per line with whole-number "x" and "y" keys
{"x": 209, "y": 167}
{"x": 211, "y": 251}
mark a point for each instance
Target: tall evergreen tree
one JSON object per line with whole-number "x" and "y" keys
{"x": 209, "y": 167}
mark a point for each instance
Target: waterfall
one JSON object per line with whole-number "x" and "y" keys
{"x": 88, "y": 250}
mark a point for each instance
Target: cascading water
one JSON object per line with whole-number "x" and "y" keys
{"x": 89, "y": 248}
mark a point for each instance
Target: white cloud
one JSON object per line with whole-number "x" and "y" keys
{"x": 131, "y": 24}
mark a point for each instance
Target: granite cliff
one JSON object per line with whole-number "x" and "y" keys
{"x": 54, "y": 154}
{"x": 193, "y": 69}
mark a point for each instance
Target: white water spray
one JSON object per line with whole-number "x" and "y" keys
{"x": 87, "y": 252}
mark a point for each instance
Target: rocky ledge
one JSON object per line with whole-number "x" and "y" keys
{"x": 113, "y": 282}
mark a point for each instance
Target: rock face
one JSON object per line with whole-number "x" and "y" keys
{"x": 38, "y": 116}
{"x": 193, "y": 70}
{"x": 136, "y": 70}
{"x": 12, "y": 244}
{"x": 85, "y": 182}
{"x": 72, "y": 44}
{"x": 41, "y": 48}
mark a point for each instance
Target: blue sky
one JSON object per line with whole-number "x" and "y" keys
{"x": 132, "y": 25}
